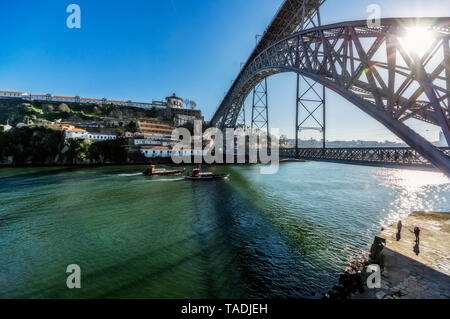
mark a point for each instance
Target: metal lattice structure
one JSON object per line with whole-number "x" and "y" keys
{"x": 382, "y": 156}
{"x": 260, "y": 112}
{"x": 311, "y": 102}
{"x": 369, "y": 67}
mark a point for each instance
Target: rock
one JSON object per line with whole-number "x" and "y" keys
{"x": 380, "y": 294}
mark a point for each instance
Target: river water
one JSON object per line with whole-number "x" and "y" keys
{"x": 252, "y": 235}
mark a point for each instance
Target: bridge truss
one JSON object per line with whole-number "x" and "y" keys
{"x": 389, "y": 156}
{"x": 370, "y": 67}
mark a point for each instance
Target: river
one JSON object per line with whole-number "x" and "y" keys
{"x": 250, "y": 236}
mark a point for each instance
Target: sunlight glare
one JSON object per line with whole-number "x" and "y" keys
{"x": 415, "y": 179}
{"x": 417, "y": 40}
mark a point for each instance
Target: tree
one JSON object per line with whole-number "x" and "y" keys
{"x": 187, "y": 103}
{"x": 48, "y": 108}
{"x": 64, "y": 108}
{"x": 97, "y": 110}
{"x": 190, "y": 104}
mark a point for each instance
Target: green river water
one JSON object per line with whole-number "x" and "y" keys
{"x": 252, "y": 235}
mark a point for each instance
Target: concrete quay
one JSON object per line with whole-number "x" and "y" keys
{"x": 410, "y": 270}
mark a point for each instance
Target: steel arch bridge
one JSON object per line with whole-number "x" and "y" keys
{"x": 368, "y": 66}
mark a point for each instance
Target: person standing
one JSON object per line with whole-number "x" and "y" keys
{"x": 399, "y": 230}
{"x": 399, "y": 227}
{"x": 417, "y": 233}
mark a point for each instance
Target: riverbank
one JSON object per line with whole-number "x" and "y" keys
{"x": 408, "y": 270}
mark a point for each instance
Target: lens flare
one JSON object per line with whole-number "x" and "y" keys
{"x": 417, "y": 40}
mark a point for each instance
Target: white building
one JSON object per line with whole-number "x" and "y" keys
{"x": 74, "y": 132}
{"x": 11, "y": 94}
{"x": 156, "y": 151}
{"x": 153, "y": 142}
{"x": 165, "y": 152}
{"x": 77, "y": 99}
{"x": 174, "y": 102}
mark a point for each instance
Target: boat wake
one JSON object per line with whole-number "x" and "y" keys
{"x": 129, "y": 175}
{"x": 154, "y": 178}
{"x": 168, "y": 179}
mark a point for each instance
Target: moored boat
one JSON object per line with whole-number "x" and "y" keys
{"x": 153, "y": 171}
{"x": 198, "y": 175}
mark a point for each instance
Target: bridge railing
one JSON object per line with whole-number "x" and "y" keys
{"x": 388, "y": 155}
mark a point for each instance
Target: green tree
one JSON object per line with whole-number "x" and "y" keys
{"x": 64, "y": 108}
{"x": 48, "y": 108}
{"x": 77, "y": 151}
{"x": 108, "y": 151}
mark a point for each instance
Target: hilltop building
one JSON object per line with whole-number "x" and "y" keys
{"x": 180, "y": 115}
{"x": 174, "y": 102}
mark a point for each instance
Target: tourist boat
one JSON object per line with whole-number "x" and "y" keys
{"x": 152, "y": 171}
{"x": 198, "y": 175}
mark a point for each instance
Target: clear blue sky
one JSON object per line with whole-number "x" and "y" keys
{"x": 144, "y": 50}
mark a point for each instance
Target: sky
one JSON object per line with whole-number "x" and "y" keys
{"x": 145, "y": 50}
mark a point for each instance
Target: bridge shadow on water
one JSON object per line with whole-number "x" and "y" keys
{"x": 232, "y": 248}
{"x": 134, "y": 265}
{"x": 260, "y": 256}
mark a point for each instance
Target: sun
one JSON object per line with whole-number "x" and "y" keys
{"x": 417, "y": 40}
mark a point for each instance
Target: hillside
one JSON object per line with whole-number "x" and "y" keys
{"x": 43, "y": 145}
{"x": 17, "y": 110}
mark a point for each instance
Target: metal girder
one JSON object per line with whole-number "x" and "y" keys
{"x": 241, "y": 121}
{"x": 309, "y": 103}
{"x": 378, "y": 155}
{"x": 363, "y": 65}
{"x": 291, "y": 17}
{"x": 260, "y": 105}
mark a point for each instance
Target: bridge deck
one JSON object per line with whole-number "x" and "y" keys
{"x": 393, "y": 156}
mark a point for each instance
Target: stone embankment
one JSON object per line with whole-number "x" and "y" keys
{"x": 409, "y": 270}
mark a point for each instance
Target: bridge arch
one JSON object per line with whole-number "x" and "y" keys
{"x": 334, "y": 57}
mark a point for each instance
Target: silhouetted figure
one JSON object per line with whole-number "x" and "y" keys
{"x": 417, "y": 233}
{"x": 399, "y": 226}
{"x": 399, "y": 230}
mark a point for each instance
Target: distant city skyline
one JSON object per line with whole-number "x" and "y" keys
{"x": 144, "y": 51}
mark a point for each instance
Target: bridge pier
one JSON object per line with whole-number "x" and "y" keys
{"x": 260, "y": 108}
{"x": 312, "y": 101}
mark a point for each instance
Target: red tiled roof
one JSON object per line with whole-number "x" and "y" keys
{"x": 12, "y": 92}
{"x": 87, "y": 98}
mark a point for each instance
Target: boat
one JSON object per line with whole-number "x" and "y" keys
{"x": 197, "y": 175}
{"x": 152, "y": 171}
